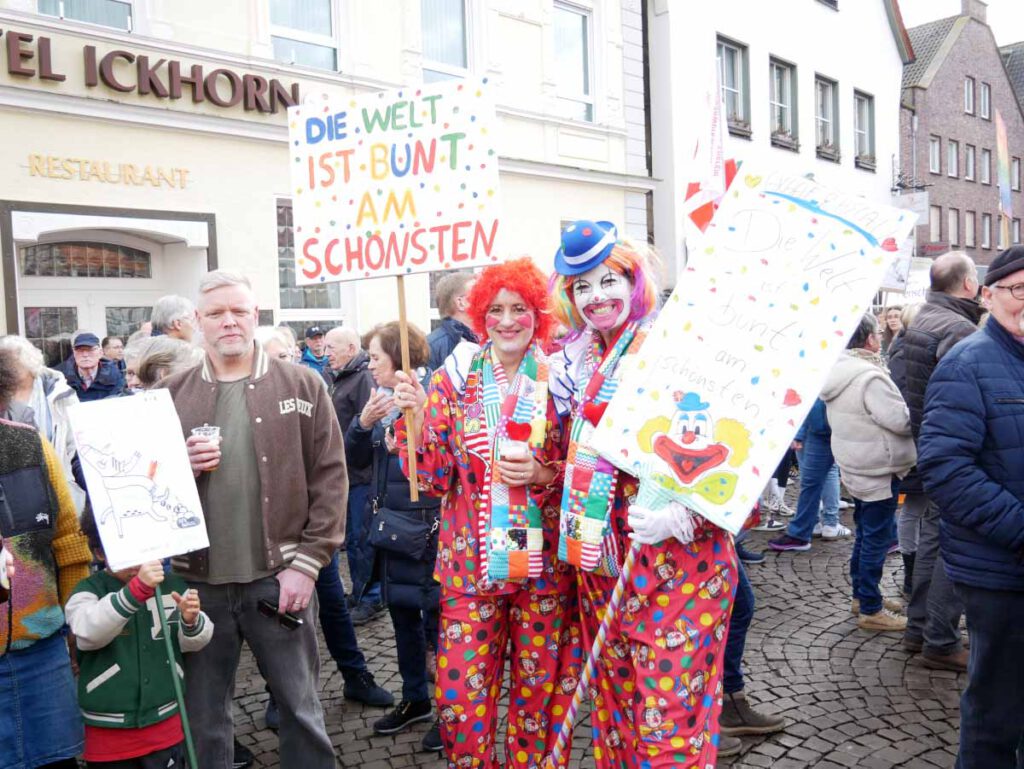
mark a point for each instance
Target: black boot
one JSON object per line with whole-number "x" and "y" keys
{"x": 908, "y": 573}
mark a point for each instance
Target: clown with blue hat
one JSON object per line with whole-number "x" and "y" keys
{"x": 605, "y": 293}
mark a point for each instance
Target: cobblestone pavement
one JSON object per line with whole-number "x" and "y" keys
{"x": 852, "y": 699}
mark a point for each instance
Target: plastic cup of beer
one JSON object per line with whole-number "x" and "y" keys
{"x": 210, "y": 434}
{"x": 511, "y": 449}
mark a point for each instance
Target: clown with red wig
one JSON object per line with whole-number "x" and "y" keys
{"x": 490, "y": 445}
{"x": 658, "y": 690}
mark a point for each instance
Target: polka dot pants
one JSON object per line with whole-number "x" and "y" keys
{"x": 658, "y": 692}
{"x": 538, "y": 634}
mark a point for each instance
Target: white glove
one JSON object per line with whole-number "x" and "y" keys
{"x": 653, "y": 526}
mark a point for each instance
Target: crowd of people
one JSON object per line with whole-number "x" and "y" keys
{"x": 505, "y": 549}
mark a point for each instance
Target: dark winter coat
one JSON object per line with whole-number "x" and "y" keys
{"x": 444, "y": 338}
{"x": 404, "y": 582}
{"x": 350, "y": 390}
{"x": 972, "y": 458}
{"x": 942, "y": 322}
{"x": 109, "y": 382}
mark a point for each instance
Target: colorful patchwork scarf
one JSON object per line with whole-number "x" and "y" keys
{"x": 512, "y": 529}
{"x": 586, "y": 540}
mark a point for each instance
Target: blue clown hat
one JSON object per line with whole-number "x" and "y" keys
{"x": 691, "y": 402}
{"x": 585, "y": 244}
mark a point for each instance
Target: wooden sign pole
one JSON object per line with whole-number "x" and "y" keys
{"x": 403, "y": 330}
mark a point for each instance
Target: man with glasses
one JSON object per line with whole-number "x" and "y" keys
{"x": 972, "y": 462}
{"x": 91, "y": 375}
{"x": 950, "y": 314}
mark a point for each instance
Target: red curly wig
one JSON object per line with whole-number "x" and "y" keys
{"x": 522, "y": 277}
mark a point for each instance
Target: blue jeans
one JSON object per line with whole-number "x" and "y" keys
{"x": 357, "y": 550}
{"x": 874, "y": 522}
{"x": 742, "y": 614}
{"x": 411, "y": 650}
{"x": 335, "y": 621}
{"x": 819, "y": 486}
{"x": 991, "y": 728}
{"x": 39, "y": 718}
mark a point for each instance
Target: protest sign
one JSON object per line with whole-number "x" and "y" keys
{"x": 140, "y": 481}
{"x": 918, "y": 280}
{"x": 898, "y": 271}
{"x": 394, "y": 183}
{"x": 711, "y": 402}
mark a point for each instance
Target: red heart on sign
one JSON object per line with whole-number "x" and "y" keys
{"x": 792, "y": 398}
{"x": 593, "y": 412}
{"x": 519, "y": 431}
{"x": 889, "y": 244}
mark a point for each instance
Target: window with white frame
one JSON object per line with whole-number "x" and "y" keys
{"x": 445, "y": 44}
{"x": 986, "y": 230}
{"x": 1015, "y": 232}
{"x": 953, "y": 226}
{"x": 969, "y": 160}
{"x": 782, "y": 103}
{"x": 970, "y": 226}
{"x": 1015, "y": 174}
{"x": 574, "y": 61}
{"x": 733, "y": 76}
{"x": 969, "y": 95}
{"x": 104, "y": 13}
{"x": 321, "y": 298}
{"x": 934, "y": 224}
{"x": 952, "y": 158}
{"x": 935, "y": 155}
{"x": 864, "y": 129}
{"x": 986, "y": 166}
{"x": 986, "y": 101}
{"x": 302, "y": 32}
{"x": 826, "y": 117}
{"x": 1000, "y": 240}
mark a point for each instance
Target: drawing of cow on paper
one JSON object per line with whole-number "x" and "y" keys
{"x": 133, "y": 494}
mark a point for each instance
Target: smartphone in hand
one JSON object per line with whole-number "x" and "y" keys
{"x": 269, "y": 609}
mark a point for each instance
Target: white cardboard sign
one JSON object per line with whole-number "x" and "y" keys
{"x": 396, "y": 182}
{"x": 139, "y": 478}
{"x": 741, "y": 349}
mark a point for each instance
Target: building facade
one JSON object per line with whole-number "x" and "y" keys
{"x": 147, "y": 142}
{"x": 801, "y": 96}
{"x": 951, "y": 96}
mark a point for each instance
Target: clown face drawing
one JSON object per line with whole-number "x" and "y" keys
{"x": 689, "y": 448}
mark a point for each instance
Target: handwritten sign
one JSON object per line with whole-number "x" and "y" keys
{"x": 140, "y": 482}
{"x": 394, "y": 183}
{"x": 918, "y": 280}
{"x": 742, "y": 347}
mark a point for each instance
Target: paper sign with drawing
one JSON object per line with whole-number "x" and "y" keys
{"x": 140, "y": 482}
{"x": 742, "y": 347}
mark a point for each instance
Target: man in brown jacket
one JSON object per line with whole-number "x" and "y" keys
{"x": 273, "y": 491}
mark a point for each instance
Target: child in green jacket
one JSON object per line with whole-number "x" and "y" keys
{"x": 125, "y": 689}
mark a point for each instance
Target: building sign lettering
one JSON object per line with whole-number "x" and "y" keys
{"x": 128, "y": 72}
{"x": 81, "y": 169}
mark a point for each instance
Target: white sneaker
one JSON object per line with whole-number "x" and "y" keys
{"x": 770, "y": 524}
{"x": 784, "y": 509}
{"x": 844, "y": 505}
{"x": 817, "y": 530}
{"x": 835, "y": 532}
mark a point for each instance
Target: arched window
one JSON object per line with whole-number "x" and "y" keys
{"x": 80, "y": 259}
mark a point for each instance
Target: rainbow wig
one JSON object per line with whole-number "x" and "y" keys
{"x": 522, "y": 277}
{"x": 636, "y": 261}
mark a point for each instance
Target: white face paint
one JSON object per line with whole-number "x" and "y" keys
{"x": 602, "y": 297}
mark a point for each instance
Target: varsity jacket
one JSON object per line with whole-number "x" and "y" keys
{"x": 303, "y": 479}
{"x": 124, "y": 679}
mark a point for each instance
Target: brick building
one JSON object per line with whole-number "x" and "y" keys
{"x": 951, "y": 95}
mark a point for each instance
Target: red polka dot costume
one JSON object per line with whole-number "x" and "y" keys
{"x": 532, "y": 624}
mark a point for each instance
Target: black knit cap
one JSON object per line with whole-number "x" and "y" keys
{"x": 1007, "y": 263}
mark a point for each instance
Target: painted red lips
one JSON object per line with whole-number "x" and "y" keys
{"x": 689, "y": 463}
